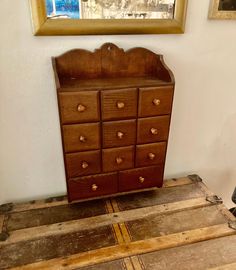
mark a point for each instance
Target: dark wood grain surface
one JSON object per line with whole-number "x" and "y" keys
{"x": 69, "y": 107}
{"x": 119, "y": 133}
{"x": 153, "y": 129}
{"x": 81, "y": 137}
{"x": 84, "y": 187}
{"x": 114, "y": 101}
{"x": 83, "y": 163}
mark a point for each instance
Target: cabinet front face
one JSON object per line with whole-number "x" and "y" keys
{"x": 153, "y": 129}
{"x": 115, "y": 118}
{"x": 119, "y": 104}
{"x": 116, "y": 159}
{"x": 155, "y": 100}
{"x": 119, "y": 133}
{"x": 93, "y": 186}
{"x": 81, "y": 137}
{"x": 79, "y": 107}
{"x": 83, "y": 163}
{"x": 150, "y": 154}
{"x": 141, "y": 178}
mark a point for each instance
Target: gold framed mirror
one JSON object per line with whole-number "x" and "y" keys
{"x": 222, "y": 10}
{"x": 99, "y": 17}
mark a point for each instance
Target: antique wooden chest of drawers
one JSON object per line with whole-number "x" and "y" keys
{"x": 115, "y": 110}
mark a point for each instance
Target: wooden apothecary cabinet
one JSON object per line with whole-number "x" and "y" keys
{"x": 115, "y": 110}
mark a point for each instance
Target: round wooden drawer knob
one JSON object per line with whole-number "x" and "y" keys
{"x": 94, "y": 187}
{"x": 141, "y": 179}
{"x": 84, "y": 165}
{"x": 82, "y": 139}
{"x": 151, "y": 156}
{"x": 119, "y": 160}
{"x": 154, "y": 131}
{"x": 120, "y": 134}
{"x": 120, "y": 105}
{"x": 156, "y": 102}
{"x": 81, "y": 108}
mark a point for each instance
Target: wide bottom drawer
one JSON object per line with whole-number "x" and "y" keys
{"x": 92, "y": 186}
{"x": 141, "y": 178}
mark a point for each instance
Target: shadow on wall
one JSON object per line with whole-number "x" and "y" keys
{"x": 222, "y": 153}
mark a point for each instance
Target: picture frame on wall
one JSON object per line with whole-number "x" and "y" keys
{"x": 83, "y": 17}
{"x": 222, "y": 9}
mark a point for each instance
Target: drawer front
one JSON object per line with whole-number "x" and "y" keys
{"x": 119, "y": 133}
{"x": 153, "y": 129}
{"x": 78, "y": 107}
{"x": 81, "y": 137}
{"x": 141, "y": 178}
{"x": 155, "y": 101}
{"x": 150, "y": 154}
{"x": 115, "y": 159}
{"x": 92, "y": 186}
{"x": 119, "y": 104}
{"x": 84, "y": 163}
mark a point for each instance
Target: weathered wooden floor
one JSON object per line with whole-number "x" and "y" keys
{"x": 181, "y": 226}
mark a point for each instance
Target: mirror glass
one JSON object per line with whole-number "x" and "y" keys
{"x": 110, "y": 9}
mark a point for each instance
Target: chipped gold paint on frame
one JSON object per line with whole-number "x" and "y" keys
{"x": 42, "y": 26}
{"x": 215, "y": 13}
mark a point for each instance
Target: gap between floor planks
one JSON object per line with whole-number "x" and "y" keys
{"x": 102, "y": 220}
{"x": 131, "y": 249}
{"x": 38, "y": 204}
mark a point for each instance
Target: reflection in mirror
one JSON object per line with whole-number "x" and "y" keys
{"x": 110, "y": 9}
{"x": 228, "y": 5}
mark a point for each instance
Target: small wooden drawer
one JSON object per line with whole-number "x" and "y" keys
{"x": 78, "y": 107}
{"x": 92, "y": 186}
{"x": 153, "y": 129}
{"x": 141, "y": 178}
{"x": 115, "y": 159}
{"x": 150, "y": 154}
{"x": 119, "y": 133}
{"x": 81, "y": 137}
{"x": 84, "y": 163}
{"x": 155, "y": 100}
{"x": 119, "y": 104}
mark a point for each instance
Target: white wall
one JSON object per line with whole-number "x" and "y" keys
{"x": 203, "y": 129}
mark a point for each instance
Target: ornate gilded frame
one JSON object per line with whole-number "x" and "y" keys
{"x": 215, "y": 13}
{"x": 42, "y": 26}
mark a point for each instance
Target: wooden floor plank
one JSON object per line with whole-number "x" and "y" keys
{"x": 158, "y": 225}
{"x": 159, "y": 196}
{"x": 177, "y": 182}
{"x": 197, "y": 256}
{"x": 136, "y": 263}
{"x": 225, "y": 211}
{"x": 55, "y": 214}
{"x": 131, "y": 249}
{"x": 231, "y": 266}
{"x": 101, "y": 220}
{"x": 56, "y": 246}
{"x": 1, "y": 222}
{"x": 38, "y": 204}
{"x": 123, "y": 264}
{"x": 62, "y": 200}
{"x": 128, "y": 264}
